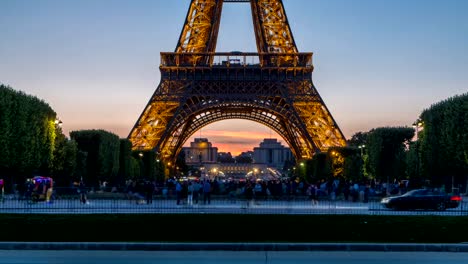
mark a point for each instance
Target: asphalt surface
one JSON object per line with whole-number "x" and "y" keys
{"x": 240, "y": 247}
{"x": 216, "y": 206}
{"x": 208, "y": 257}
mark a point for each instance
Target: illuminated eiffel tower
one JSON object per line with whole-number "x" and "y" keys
{"x": 272, "y": 87}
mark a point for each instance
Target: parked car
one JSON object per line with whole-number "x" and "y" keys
{"x": 422, "y": 199}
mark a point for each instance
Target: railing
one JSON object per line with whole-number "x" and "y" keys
{"x": 167, "y": 201}
{"x": 236, "y": 59}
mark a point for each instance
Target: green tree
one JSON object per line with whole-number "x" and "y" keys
{"x": 27, "y": 135}
{"x": 358, "y": 139}
{"x": 181, "y": 165}
{"x": 386, "y": 149}
{"x": 64, "y": 160}
{"x": 125, "y": 162}
{"x": 319, "y": 167}
{"x": 103, "y": 148}
{"x": 444, "y": 142}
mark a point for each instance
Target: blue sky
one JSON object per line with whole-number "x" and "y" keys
{"x": 377, "y": 62}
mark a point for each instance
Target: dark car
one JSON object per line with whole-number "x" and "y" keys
{"x": 422, "y": 199}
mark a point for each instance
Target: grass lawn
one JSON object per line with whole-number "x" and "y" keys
{"x": 233, "y": 228}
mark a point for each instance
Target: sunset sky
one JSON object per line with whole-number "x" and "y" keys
{"x": 377, "y": 62}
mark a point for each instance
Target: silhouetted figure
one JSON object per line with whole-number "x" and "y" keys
{"x": 83, "y": 190}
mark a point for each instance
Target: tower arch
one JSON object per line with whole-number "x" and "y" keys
{"x": 272, "y": 87}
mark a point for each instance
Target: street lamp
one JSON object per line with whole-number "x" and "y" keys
{"x": 361, "y": 147}
{"x": 58, "y": 122}
{"x": 416, "y": 125}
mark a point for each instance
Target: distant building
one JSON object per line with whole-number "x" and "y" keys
{"x": 272, "y": 153}
{"x": 200, "y": 151}
{"x": 258, "y": 164}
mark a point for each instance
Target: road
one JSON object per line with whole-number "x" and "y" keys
{"x": 215, "y": 257}
{"x": 225, "y": 206}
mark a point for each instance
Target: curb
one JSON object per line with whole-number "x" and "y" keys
{"x": 232, "y": 246}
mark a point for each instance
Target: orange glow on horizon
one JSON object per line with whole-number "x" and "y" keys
{"x": 235, "y": 142}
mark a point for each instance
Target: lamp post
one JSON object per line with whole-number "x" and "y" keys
{"x": 142, "y": 166}
{"x": 58, "y": 122}
{"x": 416, "y": 125}
{"x": 361, "y": 147}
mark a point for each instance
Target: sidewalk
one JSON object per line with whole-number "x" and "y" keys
{"x": 119, "y": 246}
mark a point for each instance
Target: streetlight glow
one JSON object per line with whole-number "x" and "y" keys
{"x": 416, "y": 125}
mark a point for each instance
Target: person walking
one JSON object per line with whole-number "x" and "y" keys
{"x": 83, "y": 190}
{"x": 312, "y": 192}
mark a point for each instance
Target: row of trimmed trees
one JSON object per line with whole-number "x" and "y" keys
{"x": 443, "y": 147}
{"x": 438, "y": 157}
{"x": 32, "y": 144}
{"x": 28, "y": 134}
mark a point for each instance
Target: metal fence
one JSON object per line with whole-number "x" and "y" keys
{"x": 125, "y": 203}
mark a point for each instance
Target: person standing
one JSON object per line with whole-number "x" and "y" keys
{"x": 206, "y": 192}
{"x": 2, "y": 190}
{"x": 190, "y": 193}
{"x": 178, "y": 189}
{"x": 149, "y": 190}
{"x": 249, "y": 193}
{"x": 196, "y": 191}
{"x": 49, "y": 185}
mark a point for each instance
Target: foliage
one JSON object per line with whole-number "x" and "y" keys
{"x": 318, "y": 168}
{"x": 353, "y": 166}
{"x": 386, "y": 149}
{"x": 65, "y": 160}
{"x": 27, "y": 135}
{"x": 126, "y": 170}
{"x": 289, "y": 165}
{"x": 413, "y": 171}
{"x": 358, "y": 139}
{"x": 246, "y": 159}
{"x": 225, "y": 157}
{"x": 103, "y": 148}
{"x": 81, "y": 164}
{"x": 444, "y": 141}
{"x": 181, "y": 166}
{"x": 135, "y": 168}
{"x": 146, "y": 165}
{"x": 346, "y": 162}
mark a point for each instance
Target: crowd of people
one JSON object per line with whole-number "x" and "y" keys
{"x": 196, "y": 190}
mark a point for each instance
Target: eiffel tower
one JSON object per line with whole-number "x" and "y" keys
{"x": 272, "y": 87}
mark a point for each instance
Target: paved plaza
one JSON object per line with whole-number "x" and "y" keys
{"x": 223, "y": 206}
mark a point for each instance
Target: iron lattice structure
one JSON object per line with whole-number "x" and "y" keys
{"x": 272, "y": 87}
